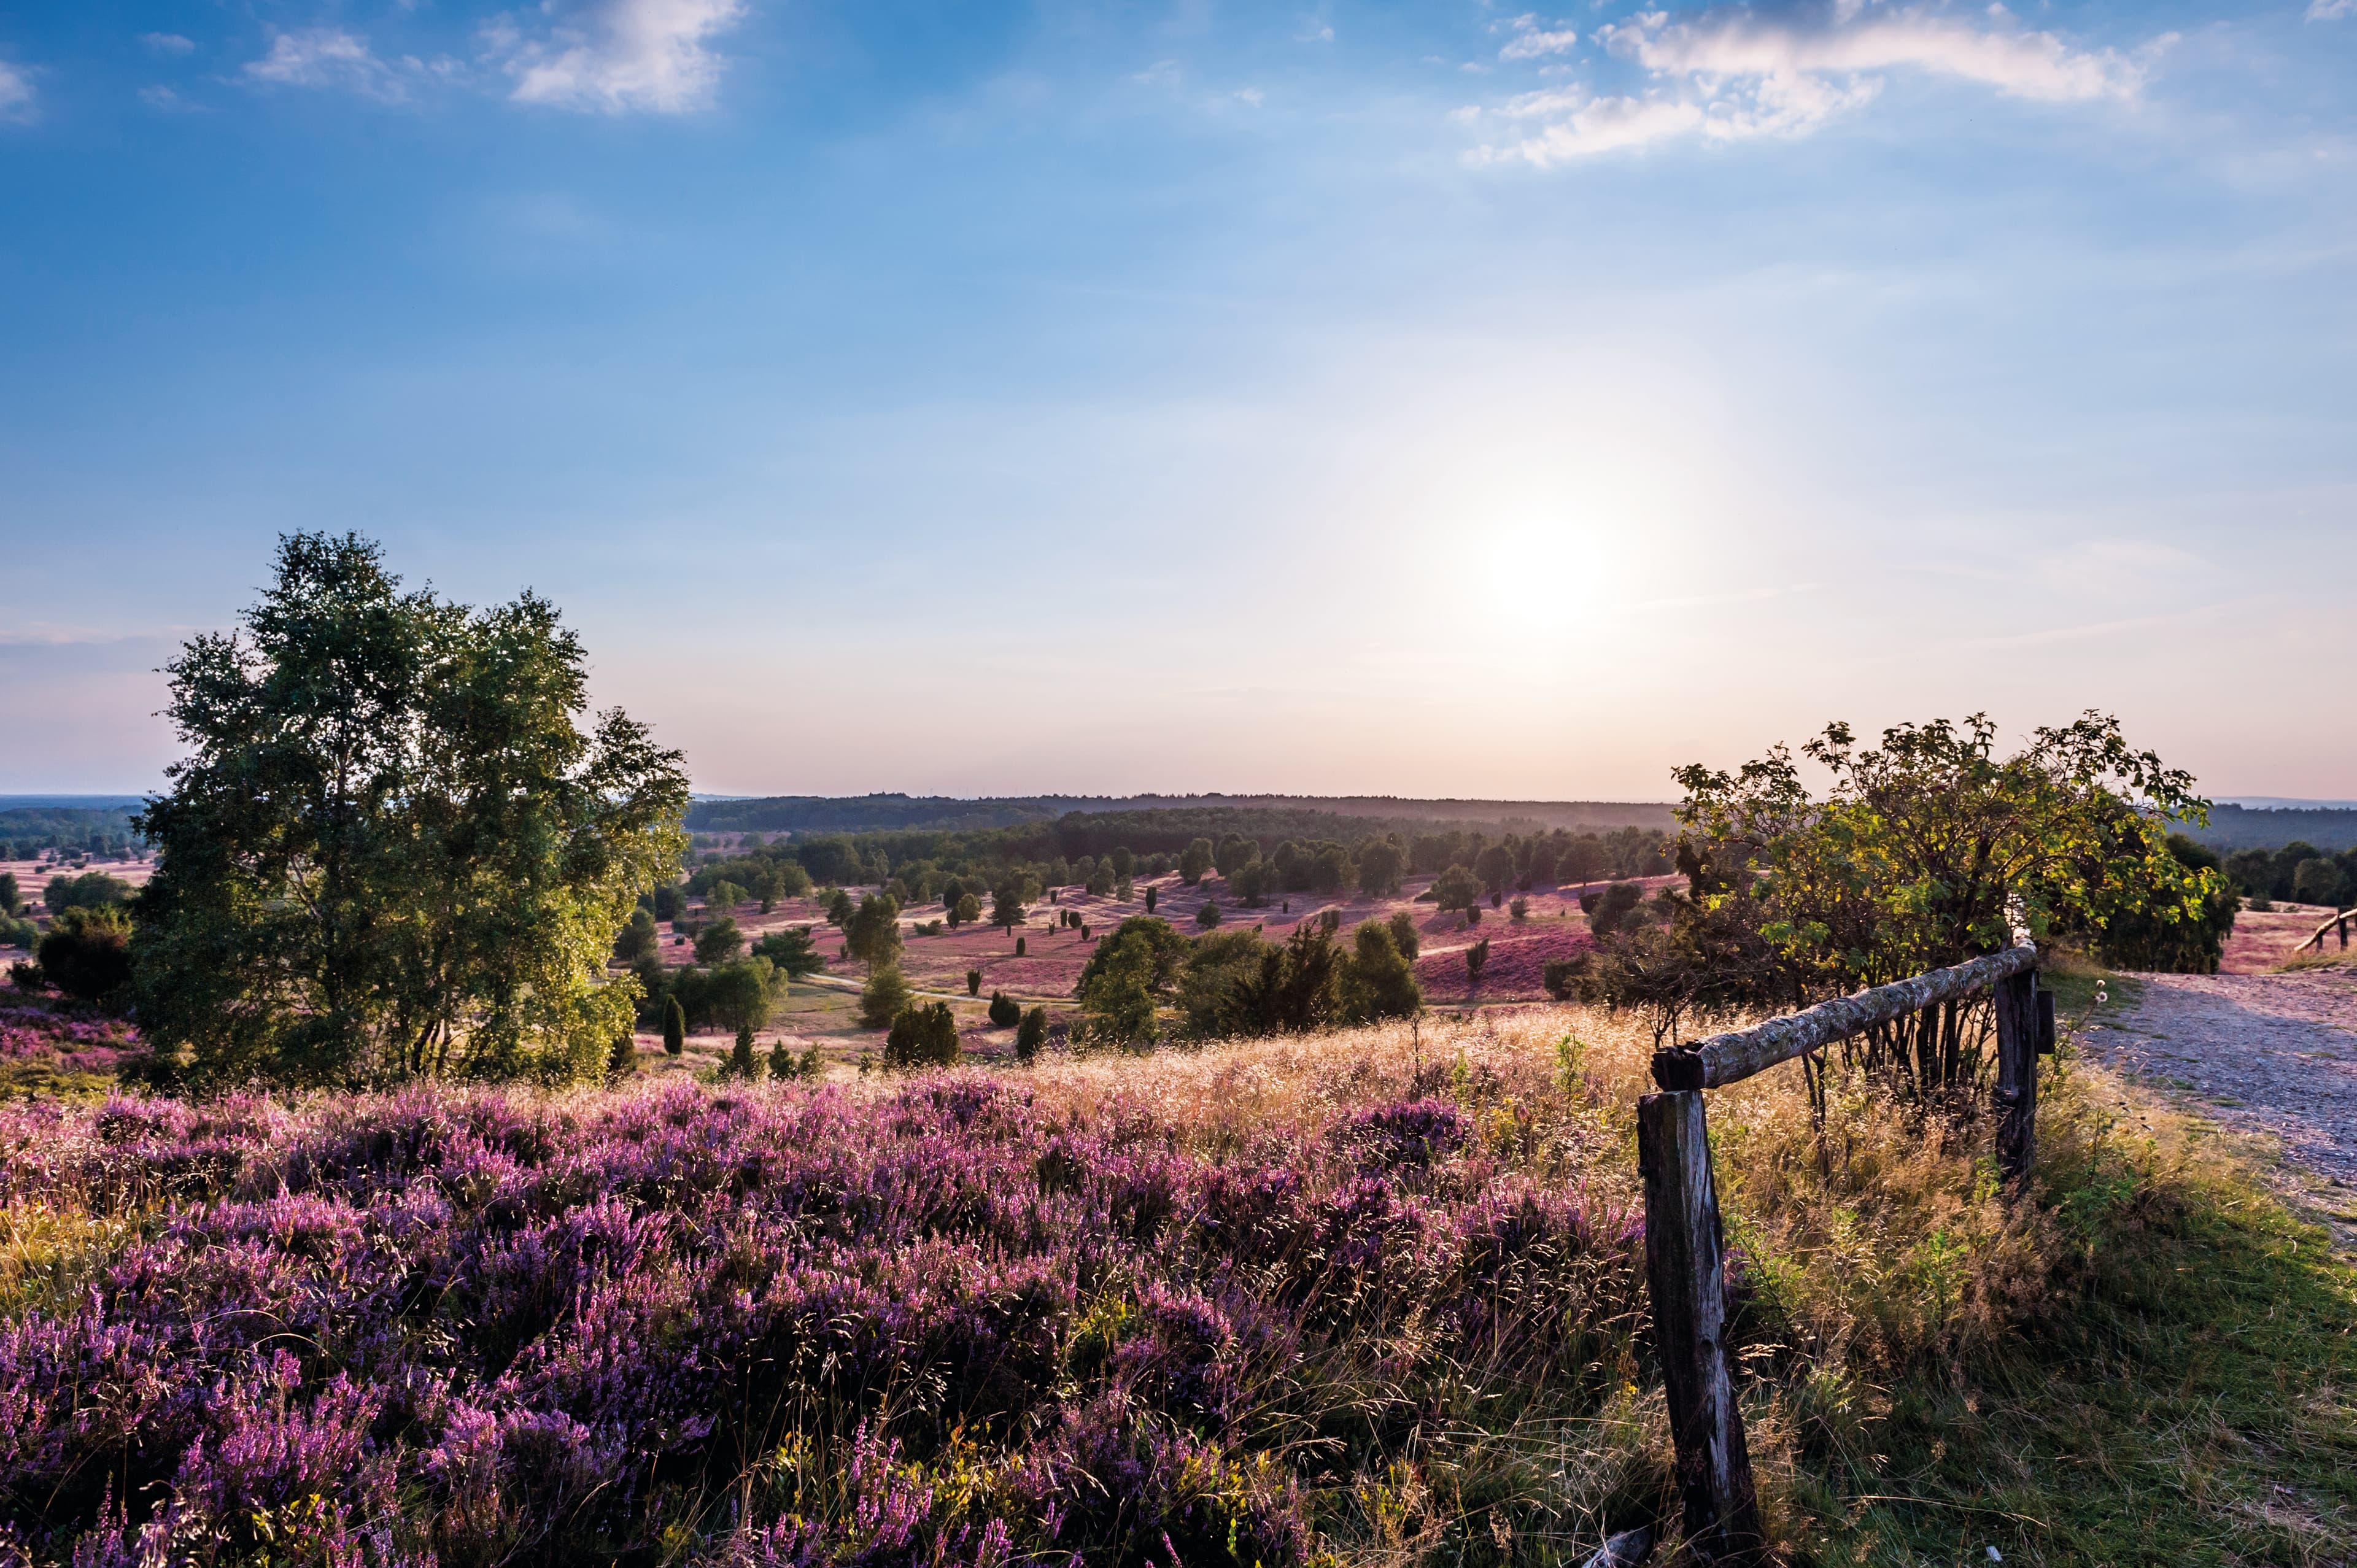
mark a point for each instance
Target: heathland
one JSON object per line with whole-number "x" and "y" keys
{"x": 420, "y": 1148}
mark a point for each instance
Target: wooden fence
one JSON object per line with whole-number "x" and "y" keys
{"x": 1685, "y": 1249}
{"x": 2337, "y": 922}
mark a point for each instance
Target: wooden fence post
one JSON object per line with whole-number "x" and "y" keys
{"x": 1685, "y": 1268}
{"x": 2016, "y": 1003}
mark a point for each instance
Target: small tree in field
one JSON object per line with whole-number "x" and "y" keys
{"x": 1457, "y": 888}
{"x": 1207, "y": 916}
{"x": 1007, "y": 905}
{"x": 782, "y": 1061}
{"x": 622, "y": 1061}
{"x": 1150, "y": 891}
{"x": 674, "y": 1027}
{"x": 973, "y": 983}
{"x": 1004, "y": 1012}
{"x": 883, "y": 997}
{"x": 1030, "y": 1035}
{"x": 922, "y": 1037}
{"x": 1195, "y": 861}
{"x": 968, "y": 910}
{"x": 1404, "y": 935}
{"x": 1019, "y": 944}
{"x": 1476, "y": 958}
{"x": 740, "y": 1061}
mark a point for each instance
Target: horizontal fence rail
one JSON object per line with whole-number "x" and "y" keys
{"x": 2336, "y": 922}
{"x": 1731, "y": 1058}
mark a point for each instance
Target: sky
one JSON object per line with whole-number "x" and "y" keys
{"x": 1094, "y": 397}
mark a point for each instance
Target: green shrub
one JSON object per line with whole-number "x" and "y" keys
{"x": 86, "y": 953}
{"x": 622, "y": 1059}
{"x": 1477, "y": 957}
{"x": 1404, "y": 935}
{"x": 883, "y": 998}
{"x": 973, "y": 983}
{"x": 1207, "y": 916}
{"x": 674, "y": 1027}
{"x": 719, "y": 942}
{"x": 922, "y": 1037}
{"x": 1005, "y": 1011}
{"x": 1030, "y": 1035}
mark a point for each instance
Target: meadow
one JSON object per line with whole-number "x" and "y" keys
{"x": 1371, "y": 1297}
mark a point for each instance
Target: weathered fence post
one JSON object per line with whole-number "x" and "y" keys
{"x": 1685, "y": 1268}
{"x": 2018, "y": 1032}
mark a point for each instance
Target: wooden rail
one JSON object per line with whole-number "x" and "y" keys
{"x": 2339, "y": 921}
{"x": 1685, "y": 1264}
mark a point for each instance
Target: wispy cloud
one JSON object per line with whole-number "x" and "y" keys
{"x": 617, "y": 56}
{"x": 2330, "y": 10}
{"x": 1734, "y": 73}
{"x": 333, "y": 58}
{"x": 16, "y": 97}
{"x": 167, "y": 43}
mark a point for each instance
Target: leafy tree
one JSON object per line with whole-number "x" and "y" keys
{"x": 1608, "y": 909}
{"x": 791, "y": 953}
{"x": 1457, "y": 888}
{"x": 1404, "y": 935}
{"x": 839, "y": 908}
{"x": 1381, "y": 865}
{"x": 1100, "y": 879}
{"x": 1030, "y": 1035}
{"x": 1250, "y": 883}
{"x": 90, "y": 890}
{"x": 638, "y": 939}
{"x": 922, "y": 1037}
{"x": 1124, "y": 862}
{"x": 1235, "y": 853}
{"x": 1582, "y": 859}
{"x": 967, "y": 910}
{"x": 1167, "y": 948}
{"x": 390, "y": 852}
{"x": 1538, "y": 867}
{"x": 1207, "y": 916}
{"x": 1007, "y": 905}
{"x": 2317, "y": 881}
{"x": 1117, "y": 992}
{"x": 739, "y": 996}
{"x": 873, "y": 933}
{"x": 86, "y": 953}
{"x": 1331, "y": 870}
{"x": 1495, "y": 868}
{"x": 1195, "y": 862}
{"x": 719, "y": 942}
{"x": 723, "y": 896}
{"x": 1378, "y": 981}
{"x": 667, "y": 901}
{"x": 2134, "y": 938}
{"x": 674, "y": 1027}
{"x": 883, "y": 997}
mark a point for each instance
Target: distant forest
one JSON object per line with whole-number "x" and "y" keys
{"x": 2242, "y": 827}
{"x": 808, "y": 814}
{"x": 27, "y": 830}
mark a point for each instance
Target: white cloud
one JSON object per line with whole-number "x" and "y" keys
{"x": 2330, "y": 10}
{"x": 16, "y": 93}
{"x": 1739, "y": 43}
{"x": 167, "y": 43}
{"x": 1533, "y": 44}
{"x": 1734, "y": 74}
{"x": 164, "y": 101}
{"x": 614, "y": 56}
{"x": 332, "y": 57}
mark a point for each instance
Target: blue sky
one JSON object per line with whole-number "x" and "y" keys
{"x": 1435, "y": 398}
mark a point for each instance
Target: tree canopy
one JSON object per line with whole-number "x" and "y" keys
{"x": 392, "y": 849}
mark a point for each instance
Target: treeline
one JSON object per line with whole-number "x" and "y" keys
{"x": 1258, "y": 854}
{"x": 27, "y": 830}
{"x": 803, "y": 815}
{"x": 2298, "y": 873}
{"x": 2232, "y": 828}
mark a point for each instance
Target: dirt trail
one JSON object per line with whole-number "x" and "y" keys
{"x": 2272, "y": 1054}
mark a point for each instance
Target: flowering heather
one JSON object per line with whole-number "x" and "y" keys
{"x": 978, "y": 1319}
{"x": 62, "y": 1040}
{"x": 1517, "y": 964}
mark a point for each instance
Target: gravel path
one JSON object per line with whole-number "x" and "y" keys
{"x": 2274, "y": 1054}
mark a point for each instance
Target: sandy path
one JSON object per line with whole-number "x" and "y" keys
{"x": 2273, "y": 1054}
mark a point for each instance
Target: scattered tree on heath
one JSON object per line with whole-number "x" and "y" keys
{"x": 390, "y": 852}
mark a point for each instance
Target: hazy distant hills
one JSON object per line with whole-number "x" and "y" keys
{"x": 803, "y": 815}
{"x": 2234, "y": 826}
